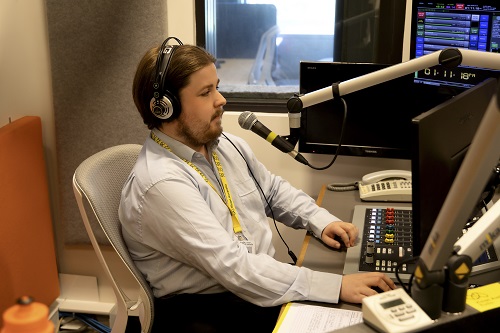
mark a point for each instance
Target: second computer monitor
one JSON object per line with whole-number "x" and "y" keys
{"x": 440, "y": 139}
{"x": 378, "y": 117}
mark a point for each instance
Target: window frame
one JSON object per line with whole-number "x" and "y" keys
{"x": 242, "y": 101}
{"x": 387, "y": 50}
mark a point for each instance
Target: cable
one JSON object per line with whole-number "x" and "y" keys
{"x": 343, "y": 187}
{"x": 290, "y": 252}
{"x": 340, "y": 140}
{"x": 398, "y": 267}
{"x": 87, "y": 320}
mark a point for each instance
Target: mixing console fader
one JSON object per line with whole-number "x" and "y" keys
{"x": 386, "y": 234}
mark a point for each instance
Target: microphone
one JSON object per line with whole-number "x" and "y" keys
{"x": 248, "y": 121}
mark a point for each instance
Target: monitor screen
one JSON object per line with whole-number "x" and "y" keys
{"x": 441, "y": 137}
{"x": 378, "y": 118}
{"x": 469, "y": 24}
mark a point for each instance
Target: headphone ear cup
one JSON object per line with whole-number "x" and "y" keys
{"x": 166, "y": 107}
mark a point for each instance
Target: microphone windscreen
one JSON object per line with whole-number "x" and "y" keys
{"x": 247, "y": 119}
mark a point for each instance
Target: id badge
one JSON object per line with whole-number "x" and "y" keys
{"x": 250, "y": 246}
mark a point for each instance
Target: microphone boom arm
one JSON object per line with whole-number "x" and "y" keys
{"x": 481, "y": 235}
{"x": 449, "y": 58}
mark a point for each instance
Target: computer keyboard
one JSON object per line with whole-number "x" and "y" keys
{"x": 386, "y": 235}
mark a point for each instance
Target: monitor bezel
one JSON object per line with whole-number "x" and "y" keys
{"x": 379, "y": 128}
{"x": 436, "y": 75}
{"x": 440, "y": 139}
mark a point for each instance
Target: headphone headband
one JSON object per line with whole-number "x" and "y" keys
{"x": 164, "y": 104}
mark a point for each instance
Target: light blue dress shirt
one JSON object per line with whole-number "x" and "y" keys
{"x": 180, "y": 233}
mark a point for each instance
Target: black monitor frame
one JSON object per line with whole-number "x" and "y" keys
{"x": 440, "y": 140}
{"x": 468, "y": 24}
{"x": 378, "y": 118}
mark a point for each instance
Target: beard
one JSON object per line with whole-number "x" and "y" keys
{"x": 197, "y": 133}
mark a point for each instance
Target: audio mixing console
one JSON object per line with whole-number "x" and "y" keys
{"x": 386, "y": 235}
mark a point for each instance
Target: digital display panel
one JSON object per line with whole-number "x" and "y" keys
{"x": 473, "y": 25}
{"x": 392, "y": 303}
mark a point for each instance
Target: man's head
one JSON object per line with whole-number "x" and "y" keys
{"x": 186, "y": 60}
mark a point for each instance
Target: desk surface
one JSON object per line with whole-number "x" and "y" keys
{"x": 315, "y": 255}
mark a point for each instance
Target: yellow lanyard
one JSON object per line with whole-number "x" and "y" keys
{"x": 229, "y": 200}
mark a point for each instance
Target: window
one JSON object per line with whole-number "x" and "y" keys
{"x": 259, "y": 43}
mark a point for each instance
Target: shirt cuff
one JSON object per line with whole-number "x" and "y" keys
{"x": 320, "y": 220}
{"x": 325, "y": 287}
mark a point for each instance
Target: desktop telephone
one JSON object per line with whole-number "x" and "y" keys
{"x": 387, "y": 185}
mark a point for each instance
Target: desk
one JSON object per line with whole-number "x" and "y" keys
{"x": 319, "y": 257}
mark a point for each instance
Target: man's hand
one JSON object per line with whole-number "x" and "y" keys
{"x": 346, "y": 232}
{"x": 357, "y": 286}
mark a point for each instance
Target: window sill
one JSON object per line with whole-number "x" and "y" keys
{"x": 257, "y": 98}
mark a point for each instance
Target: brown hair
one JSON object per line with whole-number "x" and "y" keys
{"x": 186, "y": 60}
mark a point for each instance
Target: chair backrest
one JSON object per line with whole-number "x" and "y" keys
{"x": 97, "y": 184}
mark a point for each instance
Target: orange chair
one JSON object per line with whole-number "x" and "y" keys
{"x": 27, "y": 249}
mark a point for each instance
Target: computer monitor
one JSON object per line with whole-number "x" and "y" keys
{"x": 467, "y": 24}
{"x": 378, "y": 118}
{"x": 440, "y": 139}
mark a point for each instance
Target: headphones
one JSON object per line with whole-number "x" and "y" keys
{"x": 164, "y": 104}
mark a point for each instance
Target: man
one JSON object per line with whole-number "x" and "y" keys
{"x": 194, "y": 210}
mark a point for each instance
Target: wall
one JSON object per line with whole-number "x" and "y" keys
{"x": 30, "y": 84}
{"x": 25, "y": 82}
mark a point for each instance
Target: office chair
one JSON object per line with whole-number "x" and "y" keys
{"x": 263, "y": 64}
{"x": 97, "y": 184}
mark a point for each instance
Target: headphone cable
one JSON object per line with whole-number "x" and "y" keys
{"x": 289, "y": 251}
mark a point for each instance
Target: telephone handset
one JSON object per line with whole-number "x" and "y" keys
{"x": 387, "y": 185}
